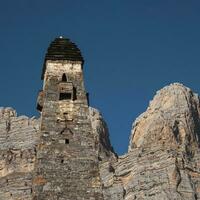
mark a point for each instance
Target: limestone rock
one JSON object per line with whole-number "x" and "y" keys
{"x": 100, "y": 130}
{"x": 66, "y": 153}
{"x": 18, "y": 138}
{"x": 172, "y": 119}
{"x": 163, "y": 161}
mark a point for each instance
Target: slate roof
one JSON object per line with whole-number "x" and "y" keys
{"x": 62, "y": 49}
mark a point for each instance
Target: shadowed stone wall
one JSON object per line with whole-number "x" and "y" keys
{"x": 67, "y": 155}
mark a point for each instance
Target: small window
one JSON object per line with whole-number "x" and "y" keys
{"x": 66, "y": 141}
{"x": 74, "y": 93}
{"x": 64, "y": 78}
{"x": 65, "y": 96}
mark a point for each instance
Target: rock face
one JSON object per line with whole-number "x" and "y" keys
{"x": 100, "y": 130}
{"x": 163, "y": 161}
{"x": 66, "y": 153}
{"x": 172, "y": 119}
{"x": 18, "y": 138}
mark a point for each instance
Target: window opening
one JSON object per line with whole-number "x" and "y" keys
{"x": 65, "y": 96}
{"x": 74, "y": 93}
{"x": 66, "y": 141}
{"x": 64, "y": 78}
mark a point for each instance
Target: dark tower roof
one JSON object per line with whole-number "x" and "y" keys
{"x": 62, "y": 49}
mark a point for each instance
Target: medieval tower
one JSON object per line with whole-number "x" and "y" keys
{"x": 67, "y": 154}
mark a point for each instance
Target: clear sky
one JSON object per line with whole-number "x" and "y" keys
{"x": 131, "y": 48}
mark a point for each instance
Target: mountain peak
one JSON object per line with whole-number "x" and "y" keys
{"x": 172, "y": 119}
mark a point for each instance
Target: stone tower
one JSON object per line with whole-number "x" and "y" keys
{"x": 67, "y": 154}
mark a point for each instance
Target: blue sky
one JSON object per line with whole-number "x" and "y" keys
{"x": 131, "y": 48}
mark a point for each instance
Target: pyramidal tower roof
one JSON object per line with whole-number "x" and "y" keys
{"x": 62, "y": 49}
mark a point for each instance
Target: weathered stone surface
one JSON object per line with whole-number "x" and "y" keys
{"x": 18, "y": 138}
{"x": 66, "y": 154}
{"x": 100, "y": 130}
{"x": 153, "y": 173}
{"x": 172, "y": 119}
{"x": 163, "y": 161}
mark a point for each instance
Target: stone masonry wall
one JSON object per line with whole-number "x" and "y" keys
{"x": 67, "y": 154}
{"x": 163, "y": 162}
{"x": 19, "y": 137}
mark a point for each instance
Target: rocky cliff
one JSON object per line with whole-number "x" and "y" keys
{"x": 163, "y": 160}
{"x": 18, "y": 138}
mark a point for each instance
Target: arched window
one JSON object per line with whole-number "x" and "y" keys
{"x": 64, "y": 78}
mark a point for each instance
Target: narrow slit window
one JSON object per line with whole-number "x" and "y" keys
{"x": 64, "y": 78}
{"x": 65, "y": 96}
{"x": 74, "y": 93}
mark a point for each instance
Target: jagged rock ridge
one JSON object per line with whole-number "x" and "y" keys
{"x": 172, "y": 118}
{"x": 18, "y": 138}
{"x": 163, "y": 161}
